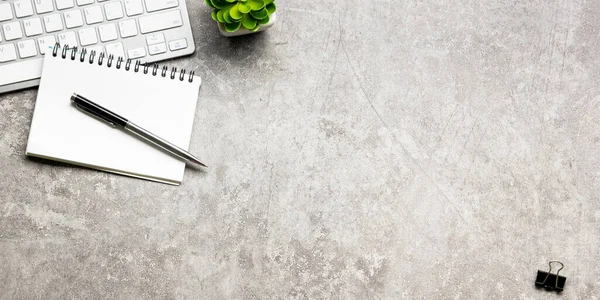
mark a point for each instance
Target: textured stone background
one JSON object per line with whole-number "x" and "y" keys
{"x": 359, "y": 150}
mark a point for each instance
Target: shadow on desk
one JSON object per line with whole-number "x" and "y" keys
{"x": 240, "y": 47}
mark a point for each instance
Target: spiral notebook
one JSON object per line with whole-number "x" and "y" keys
{"x": 159, "y": 99}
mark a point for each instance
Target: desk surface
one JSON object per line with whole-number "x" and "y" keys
{"x": 359, "y": 150}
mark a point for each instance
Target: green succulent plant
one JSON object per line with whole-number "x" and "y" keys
{"x": 235, "y": 14}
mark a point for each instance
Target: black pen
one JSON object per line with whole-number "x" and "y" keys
{"x": 117, "y": 121}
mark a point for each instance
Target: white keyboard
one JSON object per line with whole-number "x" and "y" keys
{"x": 145, "y": 30}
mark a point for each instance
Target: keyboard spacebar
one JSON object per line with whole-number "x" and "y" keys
{"x": 21, "y": 71}
{"x": 160, "y": 21}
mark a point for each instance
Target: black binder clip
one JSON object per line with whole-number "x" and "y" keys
{"x": 551, "y": 281}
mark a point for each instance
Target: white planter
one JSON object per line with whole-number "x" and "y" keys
{"x": 244, "y": 31}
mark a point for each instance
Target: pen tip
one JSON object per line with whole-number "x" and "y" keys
{"x": 198, "y": 162}
{"x": 73, "y": 97}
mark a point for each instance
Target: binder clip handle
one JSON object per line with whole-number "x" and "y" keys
{"x": 550, "y": 266}
{"x": 551, "y": 281}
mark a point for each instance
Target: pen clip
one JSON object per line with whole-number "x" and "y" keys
{"x": 88, "y": 112}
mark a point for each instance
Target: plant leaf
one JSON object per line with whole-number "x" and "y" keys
{"x": 219, "y": 3}
{"x": 244, "y": 7}
{"x": 248, "y": 22}
{"x": 265, "y": 20}
{"x": 232, "y": 27}
{"x": 220, "y": 16}
{"x": 235, "y": 13}
{"x": 271, "y": 8}
{"x": 226, "y": 16}
{"x": 214, "y": 15}
{"x": 209, "y": 3}
{"x": 267, "y": 2}
{"x": 259, "y": 14}
{"x": 256, "y": 4}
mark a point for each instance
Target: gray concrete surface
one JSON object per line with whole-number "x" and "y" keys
{"x": 359, "y": 150}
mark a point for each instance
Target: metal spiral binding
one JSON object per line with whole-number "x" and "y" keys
{"x": 119, "y": 62}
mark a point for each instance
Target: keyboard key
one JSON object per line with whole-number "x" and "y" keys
{"x": 155, "y": 38}
{"x": 12, "y": 31}
{"x": 46, "y": 43}
{"x": 128, "y": 28}
{"x": 64, "y": 4}
{"x": 115, "y": 49}
{"x": 160, "y": 21}
{"x": 7, "y": 53}
{"x": 5, "y": 12}
{"x": 113, "y": 10}
{"x": 84, "y": 2}
{"x": 133, "y": 7}
{"x": 93, "y": 14}
{"x": 33, "y": 27}
{"x": 53, "y": 23}
{"x": 157, "y": 49}
{"x": 154, "y": 5}
{"x": 137, "y": 53}
{"x": 43, "y": 6}
{"x": 87, "y": 36}
{"x": 27, "y": 48}
{"x": 20, "y": 71}
{"x": 107, "y": 32}
{"x": 73, "y": 19}
{"x": 23, "y": 8}
{"x": 67, "y": 38}
{"x": 178, "y": 44}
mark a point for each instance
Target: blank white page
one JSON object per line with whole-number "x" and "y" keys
{"x": 161, "y": 105}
